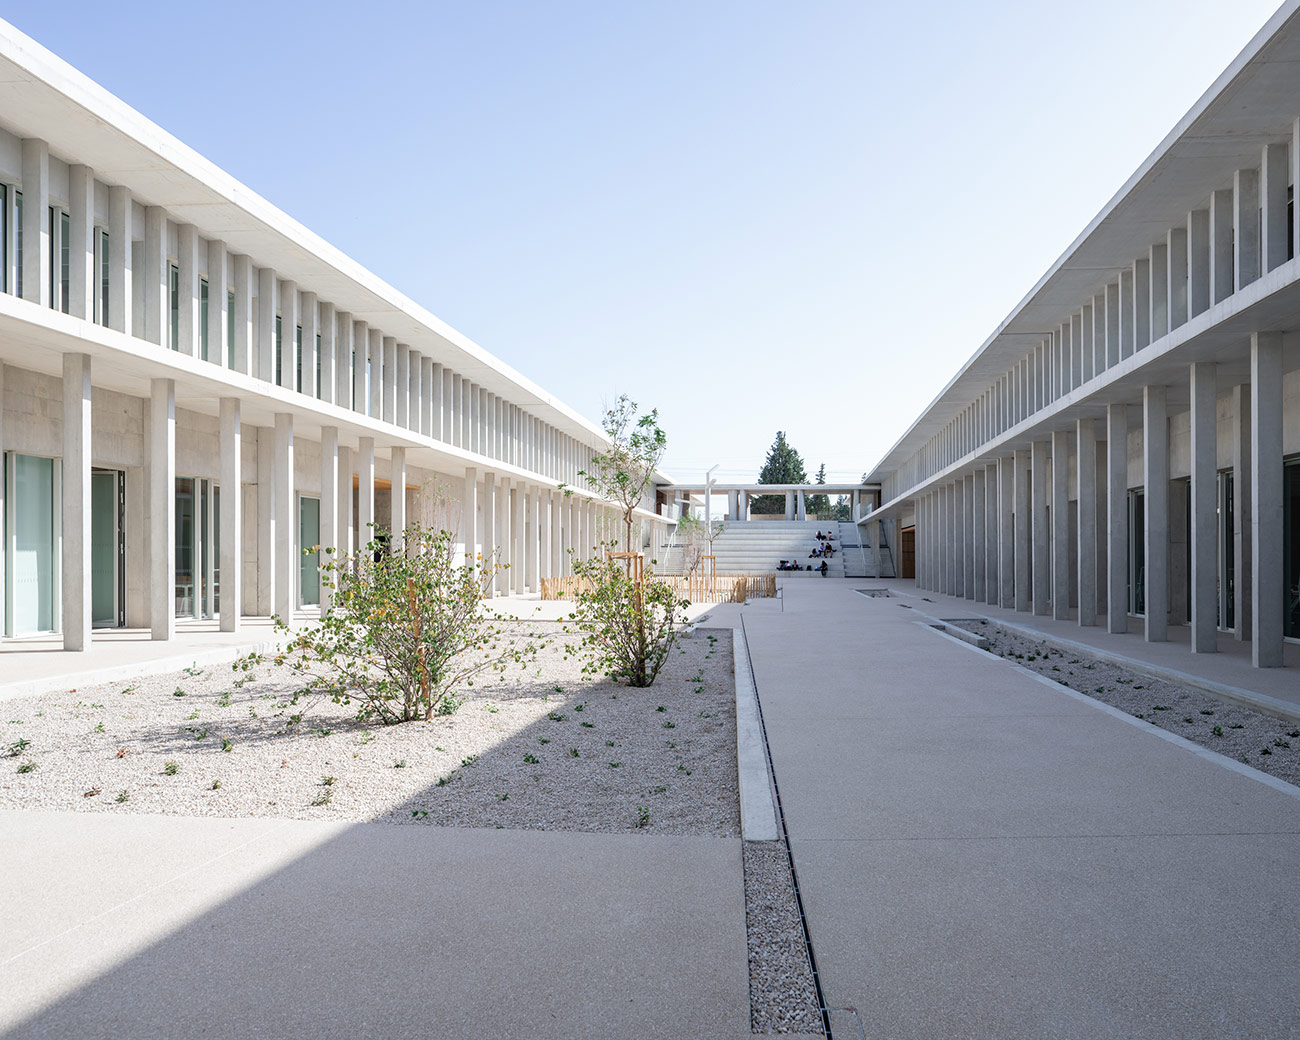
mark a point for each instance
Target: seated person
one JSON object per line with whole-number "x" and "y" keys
{"x": 823, "y": 568}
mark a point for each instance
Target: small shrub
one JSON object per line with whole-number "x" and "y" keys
{"x": 122, "y": 796}
{"x": 323, "y": 797}
{"x": 216, "y": 785}
{"x": 227, "y": 744}
{"x": 27, "y": 767}
{"x": 171, "y": 768}
{"x": 530, "y": 758}
{"x": 18, "y": 747}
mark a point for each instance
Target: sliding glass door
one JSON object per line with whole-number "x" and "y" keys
{"x": 32, "y": 545}
{"x": 107, "y": 548}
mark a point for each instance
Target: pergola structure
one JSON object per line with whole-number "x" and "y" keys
{"x": 675, "y": 497}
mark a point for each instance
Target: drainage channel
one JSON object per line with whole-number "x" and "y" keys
{"x": 794, "y": 875}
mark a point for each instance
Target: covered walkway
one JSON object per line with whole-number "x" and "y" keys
{"x": 984, "y": 853}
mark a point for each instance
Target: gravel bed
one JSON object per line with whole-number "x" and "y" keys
{"x": 547, "y": 750}
{"x": 782, "y": 997}
{"x": 1268, "y": 744}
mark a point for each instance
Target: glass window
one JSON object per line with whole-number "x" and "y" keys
{"x": 1137, "y": 553}
{"x": 279, "y": 352}
{"x": 53, "y": 230}
{"x": 18, "y": 243}
{"x": 318, "y": 365}
{"x": 4, "y": 238}
{"x": 65, "y": 262}
{"x": 174, "y": 296}
{"x": 203, "y": 318}
{"x": 297, "y": 350}
{"x": 230, "y": 329}
{"x": 309, "y": 562}
{"x": 102, "y": 269}
{"x": 32, "y": 569}
{"x": 1291, "y": 548}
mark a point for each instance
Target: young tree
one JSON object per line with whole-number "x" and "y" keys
{"x": 624, "y": 471}
{"x": 782, "y": 466}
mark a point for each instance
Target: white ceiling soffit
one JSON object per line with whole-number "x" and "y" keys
{"x": 43, "y": 96}
{"x": 1253, "y": 103}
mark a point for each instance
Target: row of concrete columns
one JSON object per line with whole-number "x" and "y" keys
{"x": 999, "y": 532}
{"x": 269, "y": 326}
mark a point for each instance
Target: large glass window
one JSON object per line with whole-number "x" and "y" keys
{"x": 309, "y": 563}
{"x": 203, "y": 318}
{"x": 1227, "y": 552}
{"x": 102, "y": 269}
{"x": 1291, "y": 547}
{"x": 18, "y": 243}
{"x": 1137, "y": 553}
{"x": 65, "y": 262}
{"x": 33, "y": 566}
{"x": 4, "y": 238}
{"x": 230, "y": 329}
{"x": 297, "y": 354}
{"x": 279, "y": 352}
{"x": 107, "y": 548}
{"x": 174, "y": 304}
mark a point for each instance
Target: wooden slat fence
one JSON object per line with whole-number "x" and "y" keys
{"x": 722, "y": 588}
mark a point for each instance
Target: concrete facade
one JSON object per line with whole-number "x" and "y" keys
{"x": 1151, "y": 436}
{"x": 193, "y": 384}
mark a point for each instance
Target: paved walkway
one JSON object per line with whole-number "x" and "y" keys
{"x": 983, "y": 854}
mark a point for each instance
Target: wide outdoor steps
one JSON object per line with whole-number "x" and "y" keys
{"x": 757, "y": 546}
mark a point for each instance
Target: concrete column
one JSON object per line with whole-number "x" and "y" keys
{"x": 1159, "y": 290}
{"x": 379, "y": 372}
{"x": 449, "y": 406}
{"x": 1220, "y": 229}
{"x": 1039, "y": 453}
{"x": 1273, "y": 184}
{"x": 803, "y": 506}
{"x": 162, "y": 508}
{"x": 469, "y": 519}
{"x": 991, "y": 575}
{"x": 155, "y": 276}
{"x": 346, "y": 541}
{"x": 1198, "y": 262}
{"x": 415, "y": 405}
{"x": 37, "y": 246}
{"x": 519, "y": 554}
{"x": 968, "y": 511}
{"x": 490, "y": 558}
{"x": 397, "y": 516}
{"x": 231, "y": 448}
{"x": 1142, "y": 303}
{"x": 545, "y": 564}
{"x": 290, "y": 313}
{"x": 1006, "y": 533}
{"x": 978, "y": 589}
{"x": 1117, "y": 518}
{"x": 1060, "y": 520}
{"x": 1176, "y": 249}
{"x": 244, "y": 332}
{"x": 430, "y": 398}
{"x": 402, "y": 384}
{"x": 120, "y": 232}
{"x": 1113, "y": 337}
{"x": 733, "y": 505}
{"x": 365, "y": 493}
{"x": 1126, "y": 312}
{"x": 1086, "y": 495}
{"x": 76, "y": 543}
{"x": 329, "y": 353}
{"x": 267, "y": 306}
{"x": 960, "y": 577}
{"x": 360, "y": 401}
{"x": 309, "y": 317}
{"x": 81, "y": 242}
{"x": 1155, "y": 468}
{"x": 342, "y": 358}
{"x": 389, "y": 382}
{"x": 1245, "y": 239}
{"x": 530, "y": 527}
{"x": 1243, "y": 511}
{"x": 187, "y": 281}
{"x": 789, "y": 505}
{"x": 1268, "y": 584}
{"x": 286, "y": 519}
{"x": 559, "y": 559}
{"x": 267, "y": 544}
{"x": 1205, "y": 496}
{"x": 218, "y": 328}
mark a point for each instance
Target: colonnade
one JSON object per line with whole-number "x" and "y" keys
{"x": 998, "y": 531}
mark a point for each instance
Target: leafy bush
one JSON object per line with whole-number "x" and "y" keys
{"x": 404, "y": 631}
{"x": 628, "y": 626}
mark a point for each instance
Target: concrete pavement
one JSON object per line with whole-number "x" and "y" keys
{"x": 170, "y": 927}
{"x": 983, "y": 855}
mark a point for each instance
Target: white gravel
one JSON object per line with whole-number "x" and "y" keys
{"x": 782, "y": 997}
{"x": 1270, "y": 745}
{"x": 660, "y": 760}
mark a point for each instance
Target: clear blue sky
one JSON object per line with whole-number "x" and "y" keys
{"x": 752, "y": 215}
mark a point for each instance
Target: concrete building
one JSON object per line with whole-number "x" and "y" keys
{"x": 1125, "y": 448}
{"x": 195, "y": 387}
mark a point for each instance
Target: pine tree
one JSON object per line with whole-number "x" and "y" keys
{"x": 783, "y": 465}
{"x": 819, "y": 504}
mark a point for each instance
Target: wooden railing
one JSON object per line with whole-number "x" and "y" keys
{"x": 721, "y": 588}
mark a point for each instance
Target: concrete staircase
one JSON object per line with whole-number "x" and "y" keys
{"x": 857, "y": 555}
{"x": 757, "y": 546}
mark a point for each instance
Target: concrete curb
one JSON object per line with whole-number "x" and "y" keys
{"x": 1233, "y": 694}
{"x": 125, "y": 672}
{"x": 757, "y": 808}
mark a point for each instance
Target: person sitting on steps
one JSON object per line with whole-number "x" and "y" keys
{"x": 824, "y": 568}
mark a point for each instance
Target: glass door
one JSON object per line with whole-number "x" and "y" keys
{"x": 1137, "y": 553}
{"x": 33, "y": 545}
{"x": 1291, "y": 549}
{"x": 1227, "y": 553}
{"x": 107, "y": 548}
{"x": 308, "y": 562}
{"x": 197, "y": 549}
